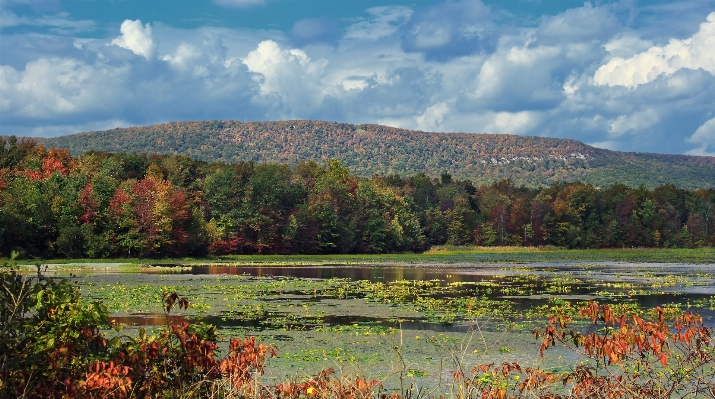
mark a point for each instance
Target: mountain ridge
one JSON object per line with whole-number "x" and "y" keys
{"x": 377, "y": 149}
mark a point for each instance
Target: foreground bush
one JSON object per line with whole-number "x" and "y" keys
{"x": 627, "y": 357}
{"x": 51, "y": 347}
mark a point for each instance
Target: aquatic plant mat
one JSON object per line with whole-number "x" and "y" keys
{"x": 426, "y": 319}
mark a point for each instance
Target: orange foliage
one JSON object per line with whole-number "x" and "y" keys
{"x": 54, "y": 161}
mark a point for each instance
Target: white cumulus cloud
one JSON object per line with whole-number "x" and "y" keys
{"x": 696, "y": 52}
{"x": 287, "y": 73}
{"x": 519, "y": 77}
{"x": 627, "y": 45}
{"x": 705, "y": 137}
{"x": 512, "y": 122}
{"x": 136, "y": 38}
{"x": 431, "y": 120}
{"x": 48, "y": 88}
{"x": 636, "y": 122}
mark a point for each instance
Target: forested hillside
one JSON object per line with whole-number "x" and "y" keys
{"x": 375, "y": 149}
{"x": 101, "y": 204}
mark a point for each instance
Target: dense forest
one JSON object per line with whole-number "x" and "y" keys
{"x": 102, "y": 204}
{"x": 382, "y": 150}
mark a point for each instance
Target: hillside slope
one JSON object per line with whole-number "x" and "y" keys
{"x": 370, "y": 149}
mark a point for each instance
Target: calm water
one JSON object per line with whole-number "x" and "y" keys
{"x": 700, "y": 276}
{"x": 648, "y": 284}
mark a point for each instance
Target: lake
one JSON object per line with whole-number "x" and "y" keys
{"x": 424, "y": 319}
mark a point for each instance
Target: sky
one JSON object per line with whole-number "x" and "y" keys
{"x": 624, "y": 75}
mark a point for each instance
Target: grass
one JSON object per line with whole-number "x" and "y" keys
{"x": 439, "y": 254}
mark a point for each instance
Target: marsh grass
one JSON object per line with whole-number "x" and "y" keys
{"x": 436, "y": 255}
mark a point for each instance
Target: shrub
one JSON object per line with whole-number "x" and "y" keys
{"x": 627, "y": 357}
{"x": 51, "y": 347}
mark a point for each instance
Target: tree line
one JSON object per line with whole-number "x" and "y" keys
{"x": 102, "y": 204}
{"x": 374, "y": 149}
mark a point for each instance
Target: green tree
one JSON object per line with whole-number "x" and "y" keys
{"x": 461, "y": 223}
{"x": 268, "y": 201}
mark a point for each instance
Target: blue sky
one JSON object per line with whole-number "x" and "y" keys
{"x": 626, "y": 75}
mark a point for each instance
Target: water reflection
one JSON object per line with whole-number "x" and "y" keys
{"x": 147, "y": 319}
{"x": 373, "y": 274}
{"x": 524, "y": 286}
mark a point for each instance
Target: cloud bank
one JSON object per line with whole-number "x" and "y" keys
{"x": 696, "y": 52}
{"x": 585, "y": 73}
